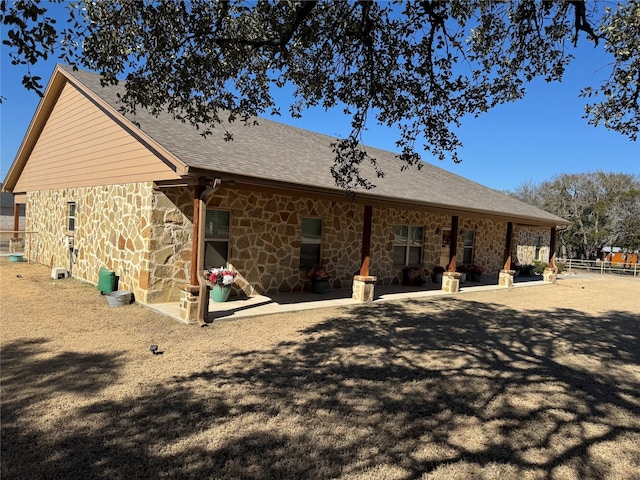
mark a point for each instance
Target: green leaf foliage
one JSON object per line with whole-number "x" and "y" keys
{"x": 604, "y": 209}
{"x": 419, "y": 67}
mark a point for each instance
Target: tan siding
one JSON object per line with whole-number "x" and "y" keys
{"x": 81, "y": 146}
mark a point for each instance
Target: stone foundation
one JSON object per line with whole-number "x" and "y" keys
{"x": 363, "y": 288}
{"x": 451, "y": 282}
{"x": 505, "y": 279}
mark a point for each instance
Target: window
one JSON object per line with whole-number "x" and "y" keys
{"x": 407, "y": 245}
{"x": 216, "y": 238}
{"x": 310, "y": 243}
{"x": 538, "y": 245}
{"x": 71, "y": 216}
{"x": 467, "y": 246}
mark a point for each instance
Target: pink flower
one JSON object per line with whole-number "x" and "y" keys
{"x": 221, "y": 276}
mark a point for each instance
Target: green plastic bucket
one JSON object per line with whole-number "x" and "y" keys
{"x": 106, "y": 280}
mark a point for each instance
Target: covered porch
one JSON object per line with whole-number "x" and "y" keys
{"x": 274, "y": 303}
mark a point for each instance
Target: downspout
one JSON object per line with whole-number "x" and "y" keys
{"x": 202, "y": 216}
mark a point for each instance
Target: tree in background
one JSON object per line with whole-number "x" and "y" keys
{"x": 625, "y": 221}
{"x": 418, "y": 66}
{"x": 604, "y": 209}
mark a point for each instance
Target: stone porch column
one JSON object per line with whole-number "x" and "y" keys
{"x": 451, "y": 282}
{"x": 189, "y": 303}
{"x": 550, "y": 275}
{"x": 506, "y": 278}
{"x": 363, "y": 288}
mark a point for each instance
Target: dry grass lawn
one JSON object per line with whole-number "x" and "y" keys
{"x": 540, "y": 382}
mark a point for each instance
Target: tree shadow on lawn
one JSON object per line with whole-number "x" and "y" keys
{"x": 403, "y": 390}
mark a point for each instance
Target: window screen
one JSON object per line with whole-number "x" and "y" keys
{"x": 467, "y": 245}
{"x": 71, "y": 217}
{"x": 216, "y": 233}
{"x": 310, "y": 243}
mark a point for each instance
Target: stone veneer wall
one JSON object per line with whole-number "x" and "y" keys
{"x": 265, "y": 238}
{"x": 489, "y": 243}
{"x": 170, "y": 243}
{"x": 145, "y": 236}
{"x": 525, "y": 244}
{"x": 382, "y": 236}
{"x": 112, "y": 230}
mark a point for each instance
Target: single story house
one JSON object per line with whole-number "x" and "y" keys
{"x": 122, "y": 193}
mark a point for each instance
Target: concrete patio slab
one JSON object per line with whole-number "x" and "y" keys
{"x": 291, "y": 302}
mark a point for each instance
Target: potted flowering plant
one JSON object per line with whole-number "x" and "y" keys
{"x": 436, "y": 274}
{"x": 318, "y": 273}
{"x": 319, "y": 279}
{"x": 414, "y": 276}
{"x": 475, "y": 272}
{"x": 220, "y": 280}
{"x": 463, "y": 270}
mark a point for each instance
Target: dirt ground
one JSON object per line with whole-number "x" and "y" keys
{"x": 539, "y": 382}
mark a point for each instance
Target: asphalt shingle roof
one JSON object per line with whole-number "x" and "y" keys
{"x": 278, "y": 152}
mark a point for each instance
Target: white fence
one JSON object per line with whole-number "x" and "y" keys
{"x": 600, "y": 266}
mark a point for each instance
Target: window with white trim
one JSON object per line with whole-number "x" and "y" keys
{"x": 216, "y": 238}
{"x": 310, "y": 243}
{"x": 71, "y": 216}
{"x": 407, "y": 244}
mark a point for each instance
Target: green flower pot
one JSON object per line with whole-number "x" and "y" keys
{"x": 220, "y": 293}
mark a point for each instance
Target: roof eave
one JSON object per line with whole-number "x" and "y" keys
{"x": 364, "y": 197}
{"x": 39, "y": 119}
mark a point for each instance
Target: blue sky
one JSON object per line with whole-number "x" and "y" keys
{"x": 530, "y": 140}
